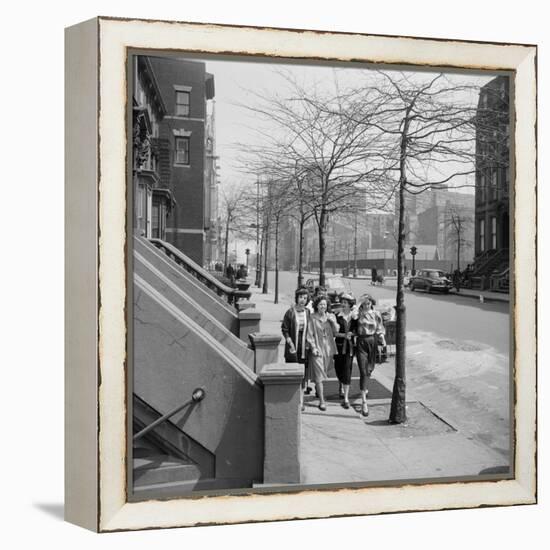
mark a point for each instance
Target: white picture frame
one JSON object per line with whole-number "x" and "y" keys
{"x": 96, "y": 249}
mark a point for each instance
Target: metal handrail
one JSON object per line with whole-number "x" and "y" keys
{"x": 198, "y": 395}
{"x": 483, "y": 267}
{"x": 232, "y": 295}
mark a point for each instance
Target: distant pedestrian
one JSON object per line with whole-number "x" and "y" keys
{"x": 457, "y": 279}
{"x": 294, "y": 329}
{"x": 320, "y": 339}
{"x": 345, "y": 338}
{"x": 230, "y": 274}
{"x": 374, "y": 275}
{"x": 468, "y": 275}
{"x": 241, "y": 272}
{"x": 369, "y": 327}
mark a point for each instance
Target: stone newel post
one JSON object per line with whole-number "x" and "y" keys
{"x": 266, "y": 349}
{"x": 249, "y": 322}
{"x": 282, "y": 387}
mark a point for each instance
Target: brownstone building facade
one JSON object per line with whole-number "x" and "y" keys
{"x": 492, "y": 218}
{"x": 152, "y": 200}
{"x": 183, "y": 164}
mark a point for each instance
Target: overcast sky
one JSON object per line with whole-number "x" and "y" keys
{"x": 237, "y": 82}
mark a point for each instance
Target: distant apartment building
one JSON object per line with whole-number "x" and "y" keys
{"x": 427, "y": 221}
{"x": 380, "y": 226}
{"x": 185, "y": 152}
{"x": 369, "y": 235}
{"x": 449, "y": 227}
{"x": 492, "y": 218}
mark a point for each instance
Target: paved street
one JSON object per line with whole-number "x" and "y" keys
{"x": 457, "y": 357}
{"x": 446, "y": 315}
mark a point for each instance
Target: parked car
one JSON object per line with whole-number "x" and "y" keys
{"x": 430, "y": 280}
{"x": 335, "y": 288}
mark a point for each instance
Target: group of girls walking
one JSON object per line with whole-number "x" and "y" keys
{"x": 321, "y": 339}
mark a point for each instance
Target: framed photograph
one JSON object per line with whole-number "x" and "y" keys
{"x": 300, "y": 274}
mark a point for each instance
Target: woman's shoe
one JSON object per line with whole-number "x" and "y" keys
{"x": 364, "y": 410}
{"x": 322, "y": 407}
{"x": 303, "y": 408}
{"x": 345, "y": 404}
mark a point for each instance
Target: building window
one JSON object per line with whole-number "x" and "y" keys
{"x": 493, "y": 232}
{"x": 494, "y": 182}
{"x": 482, "y": 186}
{"x": 182, "y": 103}
{"x": 182, "y": 150}
{"x": 481, "y": 235}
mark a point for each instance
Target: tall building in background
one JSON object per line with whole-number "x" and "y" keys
{"x": 211, "y": 189}
{"x": 427, "y": 217}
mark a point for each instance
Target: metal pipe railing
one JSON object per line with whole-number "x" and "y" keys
{"x": 197, "y": 396}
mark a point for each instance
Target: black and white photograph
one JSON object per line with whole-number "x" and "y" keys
{"x": 320, "y": 258}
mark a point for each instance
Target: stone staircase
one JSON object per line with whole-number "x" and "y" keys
{"x": 182, "y": 341}
{"x": 490, "y": 263}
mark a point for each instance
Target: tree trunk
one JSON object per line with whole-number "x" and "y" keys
{"x": 226, "y": 245}
{"x": 266, "y": 249}
{"x": 258, "y": 240}
{"x": 276, "y": 300}
{"x": 355, "y": 246}
{"x": 259, "y": 262}
{"x": 322, "y": 245}
{"x": 398, "y": 411}
{"x": 301, "y": 254}
{"x": 458, "y": 253}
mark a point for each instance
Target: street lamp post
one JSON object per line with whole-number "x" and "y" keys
{"x": 413, "y": 254}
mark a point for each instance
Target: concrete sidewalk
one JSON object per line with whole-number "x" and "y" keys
{"x": 341, "y": 446}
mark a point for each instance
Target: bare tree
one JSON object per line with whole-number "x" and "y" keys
{"x": 429, "y": 124}
{"x": 235, "y": 215}
{"x": 300, "y": 210}
{"x": 280, "y": 201}
{"x": 457, "y": 224}
{"x": 333, "y": 156}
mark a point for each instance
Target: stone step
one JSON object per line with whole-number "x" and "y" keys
{"x": 177, "y": 488}
{"x": 161, "y": 469}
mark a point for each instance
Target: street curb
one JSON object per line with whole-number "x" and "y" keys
{"x": 462, "y": 295}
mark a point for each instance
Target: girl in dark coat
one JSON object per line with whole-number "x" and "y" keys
{"x": 294, "y": 329}
{"x": 369, "y": 327}
{"x": 347, "y": 331}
